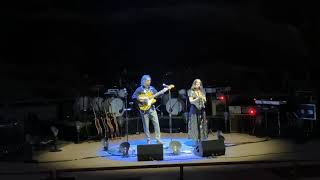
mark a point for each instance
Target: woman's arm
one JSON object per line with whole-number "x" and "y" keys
{"x": 192, "y": 99}
{"x": 204, "y": 98}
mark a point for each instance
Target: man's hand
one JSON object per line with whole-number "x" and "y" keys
{"x": 143, "y": 100}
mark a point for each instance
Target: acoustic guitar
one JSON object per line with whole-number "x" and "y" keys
{"x": 110, "y": 126}
{"x": 149, "y": 98}
{"x": 96, "y": 122}
{"x": 113, "y": 119}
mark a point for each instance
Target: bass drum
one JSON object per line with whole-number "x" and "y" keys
{"x": 177, "y": 105}
{"x": 164, "y": 99}
{"x": 114, "y": 105}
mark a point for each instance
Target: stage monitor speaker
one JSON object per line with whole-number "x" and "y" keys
{"x": 150, "y": 152}
{"x": 210, "y": 148}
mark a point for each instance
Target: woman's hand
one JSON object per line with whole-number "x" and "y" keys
{"x": 203, "y": 98}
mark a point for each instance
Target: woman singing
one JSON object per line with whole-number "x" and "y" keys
{"x": 197, "y": 125}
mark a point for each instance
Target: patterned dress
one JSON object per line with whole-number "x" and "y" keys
{"x": 194, "y": 116}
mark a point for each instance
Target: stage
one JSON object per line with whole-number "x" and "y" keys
{"x": 89, "y": 155}
{"x": 93, "y": 153}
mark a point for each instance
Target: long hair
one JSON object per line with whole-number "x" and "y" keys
{"x": 193, "y": 87}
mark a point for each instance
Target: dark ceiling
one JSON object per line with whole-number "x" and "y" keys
{"x": 75, "y": 39}
{"x": 139, "y": 31}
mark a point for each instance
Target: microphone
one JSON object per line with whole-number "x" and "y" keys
{"x": 164, "y": 85}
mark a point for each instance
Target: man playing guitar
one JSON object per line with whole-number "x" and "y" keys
{"x": 145, "y": 97}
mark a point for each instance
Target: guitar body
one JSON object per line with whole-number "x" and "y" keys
{"x": 114, "y": 124}
{"x": 109, "y": 124}
{"x": 150, "y": 101}
{"x": 97, "y": 123}
{"x": 98, "y": 126}
{"x": 117, "y": 133}
{"x": 150, "y": 98}
{"x": 110, "y": 127}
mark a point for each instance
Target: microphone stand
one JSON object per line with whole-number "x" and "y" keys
{"x": 126, "y": 106}
{"x": 199, "y": 116}
{"x": 126, "y": 145}
{"x": 170, "y": 114}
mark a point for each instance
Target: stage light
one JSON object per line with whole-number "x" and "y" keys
{"x": 175, "y": 146}
{"x": 124, "y": 149}
{"x": 221, "y": 97}
{"x": 105, "y": 144}
{"x": 252, "y": 111}
{"x": 78, "y": 126}
{"x": 55, "y": 132}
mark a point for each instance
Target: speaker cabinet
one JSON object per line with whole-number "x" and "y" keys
{"x": 150, "y": 152}
{"x": 209, "y": 148}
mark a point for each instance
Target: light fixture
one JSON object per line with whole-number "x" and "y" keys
{"x": 175, "y": 146}
{"x": 252, "y": 111}
{"x": 55, "y": 132}
{"x": 124, "y": 149}
{"x": 78, "y": 126}
{"x": 105, "y": 143}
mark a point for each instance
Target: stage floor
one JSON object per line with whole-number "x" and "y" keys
{"x": 239, "y": 147}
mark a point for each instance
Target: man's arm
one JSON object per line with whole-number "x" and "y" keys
{"x": 154, "y": 91}
{"x": 135, "y": 95}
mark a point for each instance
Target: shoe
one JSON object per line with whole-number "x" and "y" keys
{"x": 148, "y": 141}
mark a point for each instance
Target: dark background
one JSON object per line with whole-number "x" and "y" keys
{"x": 60, "y": 49}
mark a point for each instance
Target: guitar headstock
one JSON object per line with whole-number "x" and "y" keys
{"x": 170, "y": 86}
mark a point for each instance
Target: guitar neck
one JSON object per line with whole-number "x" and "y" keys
{"x": 160, "y": 92}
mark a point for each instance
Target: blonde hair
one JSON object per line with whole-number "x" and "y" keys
{"x": 193, "y": 87}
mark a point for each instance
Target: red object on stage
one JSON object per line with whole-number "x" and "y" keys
{"x": 252, "y": 111}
